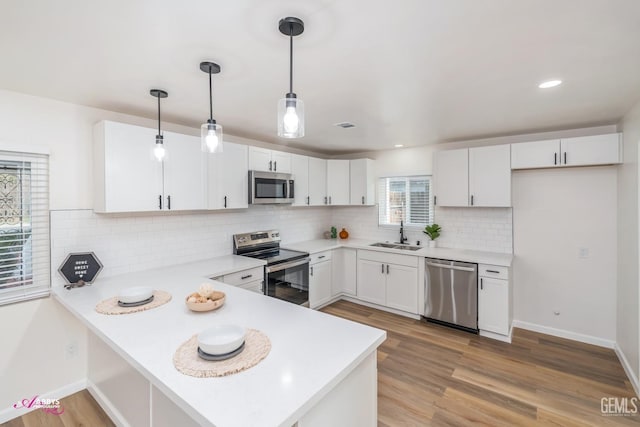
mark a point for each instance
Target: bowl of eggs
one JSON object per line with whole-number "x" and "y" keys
{"x": 206, "y": 299}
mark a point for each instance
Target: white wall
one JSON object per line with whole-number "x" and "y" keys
{"x": 556, "y": 212}
{"x": 628, "y": 318}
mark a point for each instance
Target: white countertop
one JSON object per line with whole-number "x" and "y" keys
{"x": 311, "y": 351}
{"x": 480, "y": 257}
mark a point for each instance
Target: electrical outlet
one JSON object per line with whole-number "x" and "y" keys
{"x": 71, "y": 350}
{"x": 583, "y": 253}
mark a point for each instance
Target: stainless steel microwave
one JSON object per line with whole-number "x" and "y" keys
{"x": 267, "y": 188}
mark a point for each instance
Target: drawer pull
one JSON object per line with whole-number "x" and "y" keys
{"x": 246, "y": 277}
{"x": 493, "y": 271}
{"x": 322, "y": 256}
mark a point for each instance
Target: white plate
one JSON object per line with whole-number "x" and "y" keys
{"x": 221, "y": 339}
{"x": 135, "y": 294}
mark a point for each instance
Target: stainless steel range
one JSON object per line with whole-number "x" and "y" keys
{"x": 286, "y": 272}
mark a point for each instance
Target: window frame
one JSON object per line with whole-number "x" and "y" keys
{"x": 430, "y": 209}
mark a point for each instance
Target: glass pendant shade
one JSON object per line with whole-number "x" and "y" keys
{"x": 290, "y": 117}
{"x": 211, "y": 137}
{"x": 158, "y": 151}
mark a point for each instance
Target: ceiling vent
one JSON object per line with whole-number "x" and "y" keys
{"x": 345, "y": 125}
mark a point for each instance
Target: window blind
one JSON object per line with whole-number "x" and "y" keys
{"x": 24, "y": 227}
{"x": 405, "y": 198}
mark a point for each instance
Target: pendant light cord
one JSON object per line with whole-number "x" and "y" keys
{"x": 290, "y": 58}
{"x": 158, "y": 115}
{"x": 210, "y": 96}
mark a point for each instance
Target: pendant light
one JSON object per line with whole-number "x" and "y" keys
{"x": 211, "y": 132}
{"x": 159, "y": 151}
{"x": 290, "y": 108}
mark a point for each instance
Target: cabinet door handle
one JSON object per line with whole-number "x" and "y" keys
{"x": 472, "y": 200}
{"x": 246, "y": 277}
{"x": 325, "y": 200}
{"x": 555, "y": 158}
{"x": 382, "y": 265}
{"x": 160, "y": 202}
{"x": 565, "y": 157}
{"x": 225, "y": 201}
{"x": 311, "y": 271}
{"x": 270, "y": 164}
{"x": 329, "y": 199}
{"x": 435, "y": 198}
{"x": 169, "y": 202}
{"x": 275, "y": 166}
{"x": 322, "y": 256}
{"x": 387, "y": 268}
{"x": 493, "y": 271}
{"x": 308, "y": 200}
{"x": 481, "y": 284}
{"x": 363, "y": 200}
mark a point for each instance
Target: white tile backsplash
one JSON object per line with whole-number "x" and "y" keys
{"x": 135, "y": 242}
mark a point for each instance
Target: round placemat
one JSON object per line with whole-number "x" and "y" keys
{"x": 110, "y": 305}
{"x": 186, "y": 360}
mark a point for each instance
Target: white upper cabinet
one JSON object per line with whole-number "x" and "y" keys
{"x": 263, "y": 159}
{"x": 338, "y": 184}
{"x": 184, "y": 173}
{"x": 228, "y": 176}
{"x": 362, "y": 182}
{"x": 490, "y": 176}
{"x": 451, "y": 177}
{"x": 127, "y": 178}
{"x": 591, "y": 150}
{"x": 536, "y": 154}
{"x": 578, "y": 151}
{"x": 300, "y": 172}
{"x": 473, "y": 177}
{"x": 317, "y": 182}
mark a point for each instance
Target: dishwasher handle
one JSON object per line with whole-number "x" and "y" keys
{"x": 450, "y": 267}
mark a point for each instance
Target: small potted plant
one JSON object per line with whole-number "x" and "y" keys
{"x": 433, "y": 231}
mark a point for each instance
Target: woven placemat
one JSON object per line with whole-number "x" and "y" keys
{"x": 186, "y": 360}
{"x": 110, "y": 305}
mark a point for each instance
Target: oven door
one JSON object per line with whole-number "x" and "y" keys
{"x": 270, "y": 188}
{"x": 289, "y": 281}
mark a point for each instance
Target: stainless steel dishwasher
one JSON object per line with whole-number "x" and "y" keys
{"x": 451, "y": 293}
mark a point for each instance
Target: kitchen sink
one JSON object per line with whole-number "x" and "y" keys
{"x": 396, "y": 246}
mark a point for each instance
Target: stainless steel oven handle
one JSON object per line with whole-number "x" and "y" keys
{"x": 280, "y": 267}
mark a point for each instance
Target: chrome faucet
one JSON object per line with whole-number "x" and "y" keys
{"x": 403, "y": 238}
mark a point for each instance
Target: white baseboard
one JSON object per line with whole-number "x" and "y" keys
{"x": 627, "y": 369}
{"x": 64, "y": 391}
{"x": 494, "y": 336}
{"x": 562, "y": 333}
{"x": 106, "y": 405}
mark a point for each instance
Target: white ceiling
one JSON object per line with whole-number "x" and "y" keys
{"x": 410, "y": 72}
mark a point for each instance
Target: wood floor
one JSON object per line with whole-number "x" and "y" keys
{"x": 80, "y": 410}
{"x": 432, "y": 375}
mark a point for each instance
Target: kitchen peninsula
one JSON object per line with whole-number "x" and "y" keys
{"x": 321, "y": 370}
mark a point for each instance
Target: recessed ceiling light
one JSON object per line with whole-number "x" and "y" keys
{"x": 549, "y": 83}
{"x": 399, "y": 145}
{"x": 345, "y": 125}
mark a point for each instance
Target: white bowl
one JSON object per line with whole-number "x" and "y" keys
{"x": 221, "y": 339}
{"x": 135, "y": 294}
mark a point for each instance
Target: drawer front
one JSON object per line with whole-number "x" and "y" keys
{"x": 245, "y": 276}
{"x": 255, "y": 286}
{"x": 495, "y": 271}
{"x": 320, "y": 257}
{"x": 389, "y": 258}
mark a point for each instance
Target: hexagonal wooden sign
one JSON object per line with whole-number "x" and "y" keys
{"x": 81, "y": 267}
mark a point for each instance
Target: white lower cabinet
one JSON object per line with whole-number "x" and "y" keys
{"x": 251, "y": 279}
{"x": 388, "y": 279}
{"x": 344, "y": 271}
{"x": 320, "y": 278}
{"x": 494, "y": 300}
